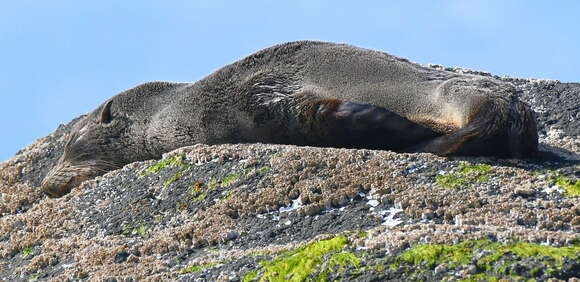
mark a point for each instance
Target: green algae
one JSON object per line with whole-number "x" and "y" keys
{"x": 525, "y": 250}
{"x": 173, "y": 178}
{"x": 339, "y": 262}
{"x": 470, "y": 168}
{"x": 224, "y": 182}
{"x": 250, "y": 276}
{"x": 535, "y": 271}
{"x": 264, "y": 170}
{"x": 230, "y": 179}
{"x": 450, "y": 180}
{"x": 200, "y": 197}
{"x": 322, "y": 257}
{"x": 299, "y": 264}
{"x": 33, "y": 277}
{"x": 141, "y": 230}
{"x": 362, "y": 234}
{"x": 572, "y": 187}
{"x": 344, "y": 259}
{"x": 481, "y": 277}
{"x": 213, "y": 183}
{"x": 434, "y": 254}
{"x": 175, "y": 161}
{"x": 196, "y": 268}
{"x": 495, "y": 259}
{"x": 357, "y": 234}
{"x": 197, "y": 192}
{"x": 468, "y": 173}
{"x": 26, "y": 251}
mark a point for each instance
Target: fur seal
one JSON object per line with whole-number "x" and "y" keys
{"x": 303, "y": 93}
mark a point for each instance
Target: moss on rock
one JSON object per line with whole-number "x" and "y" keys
{"x": 314, "y": 261}
{"x": 572, "y": 187}
{"x": 196, "y": 268}
{"x": 491, "y": 259}
{"x": 174, "y": 161}
{"x": 468, "y": 173}
{"x": 230, "y": 179}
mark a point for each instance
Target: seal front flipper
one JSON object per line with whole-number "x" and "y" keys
{"x": 346, "y": 124}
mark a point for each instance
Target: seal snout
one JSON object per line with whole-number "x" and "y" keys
{"x": 54, "y": 190}
{"x": 61, "y": 179}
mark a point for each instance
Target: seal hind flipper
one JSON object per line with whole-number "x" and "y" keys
{"x": 501, "y": 127}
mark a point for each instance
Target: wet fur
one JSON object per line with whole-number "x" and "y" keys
{"x": 304, "y": 93}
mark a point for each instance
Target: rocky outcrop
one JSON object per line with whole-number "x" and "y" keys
{"x": 274, "y": 212}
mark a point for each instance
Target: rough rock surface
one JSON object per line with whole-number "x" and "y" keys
{"x": 275, "y": 212}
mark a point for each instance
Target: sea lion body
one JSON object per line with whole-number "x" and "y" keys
{"x": 304, "y": 93}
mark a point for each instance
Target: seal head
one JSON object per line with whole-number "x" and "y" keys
{"x": 89, "y": 152}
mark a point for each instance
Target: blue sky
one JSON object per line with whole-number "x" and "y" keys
{"x": 60, "y": 59}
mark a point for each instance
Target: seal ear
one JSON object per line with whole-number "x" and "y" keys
{"x": 106, "y": 116}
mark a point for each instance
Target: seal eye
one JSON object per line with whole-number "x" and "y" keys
{"x": 106, "y": 116}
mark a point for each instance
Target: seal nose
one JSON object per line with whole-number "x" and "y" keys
{"x": 51, "y": 189}
{"x": 54, "y": 187}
